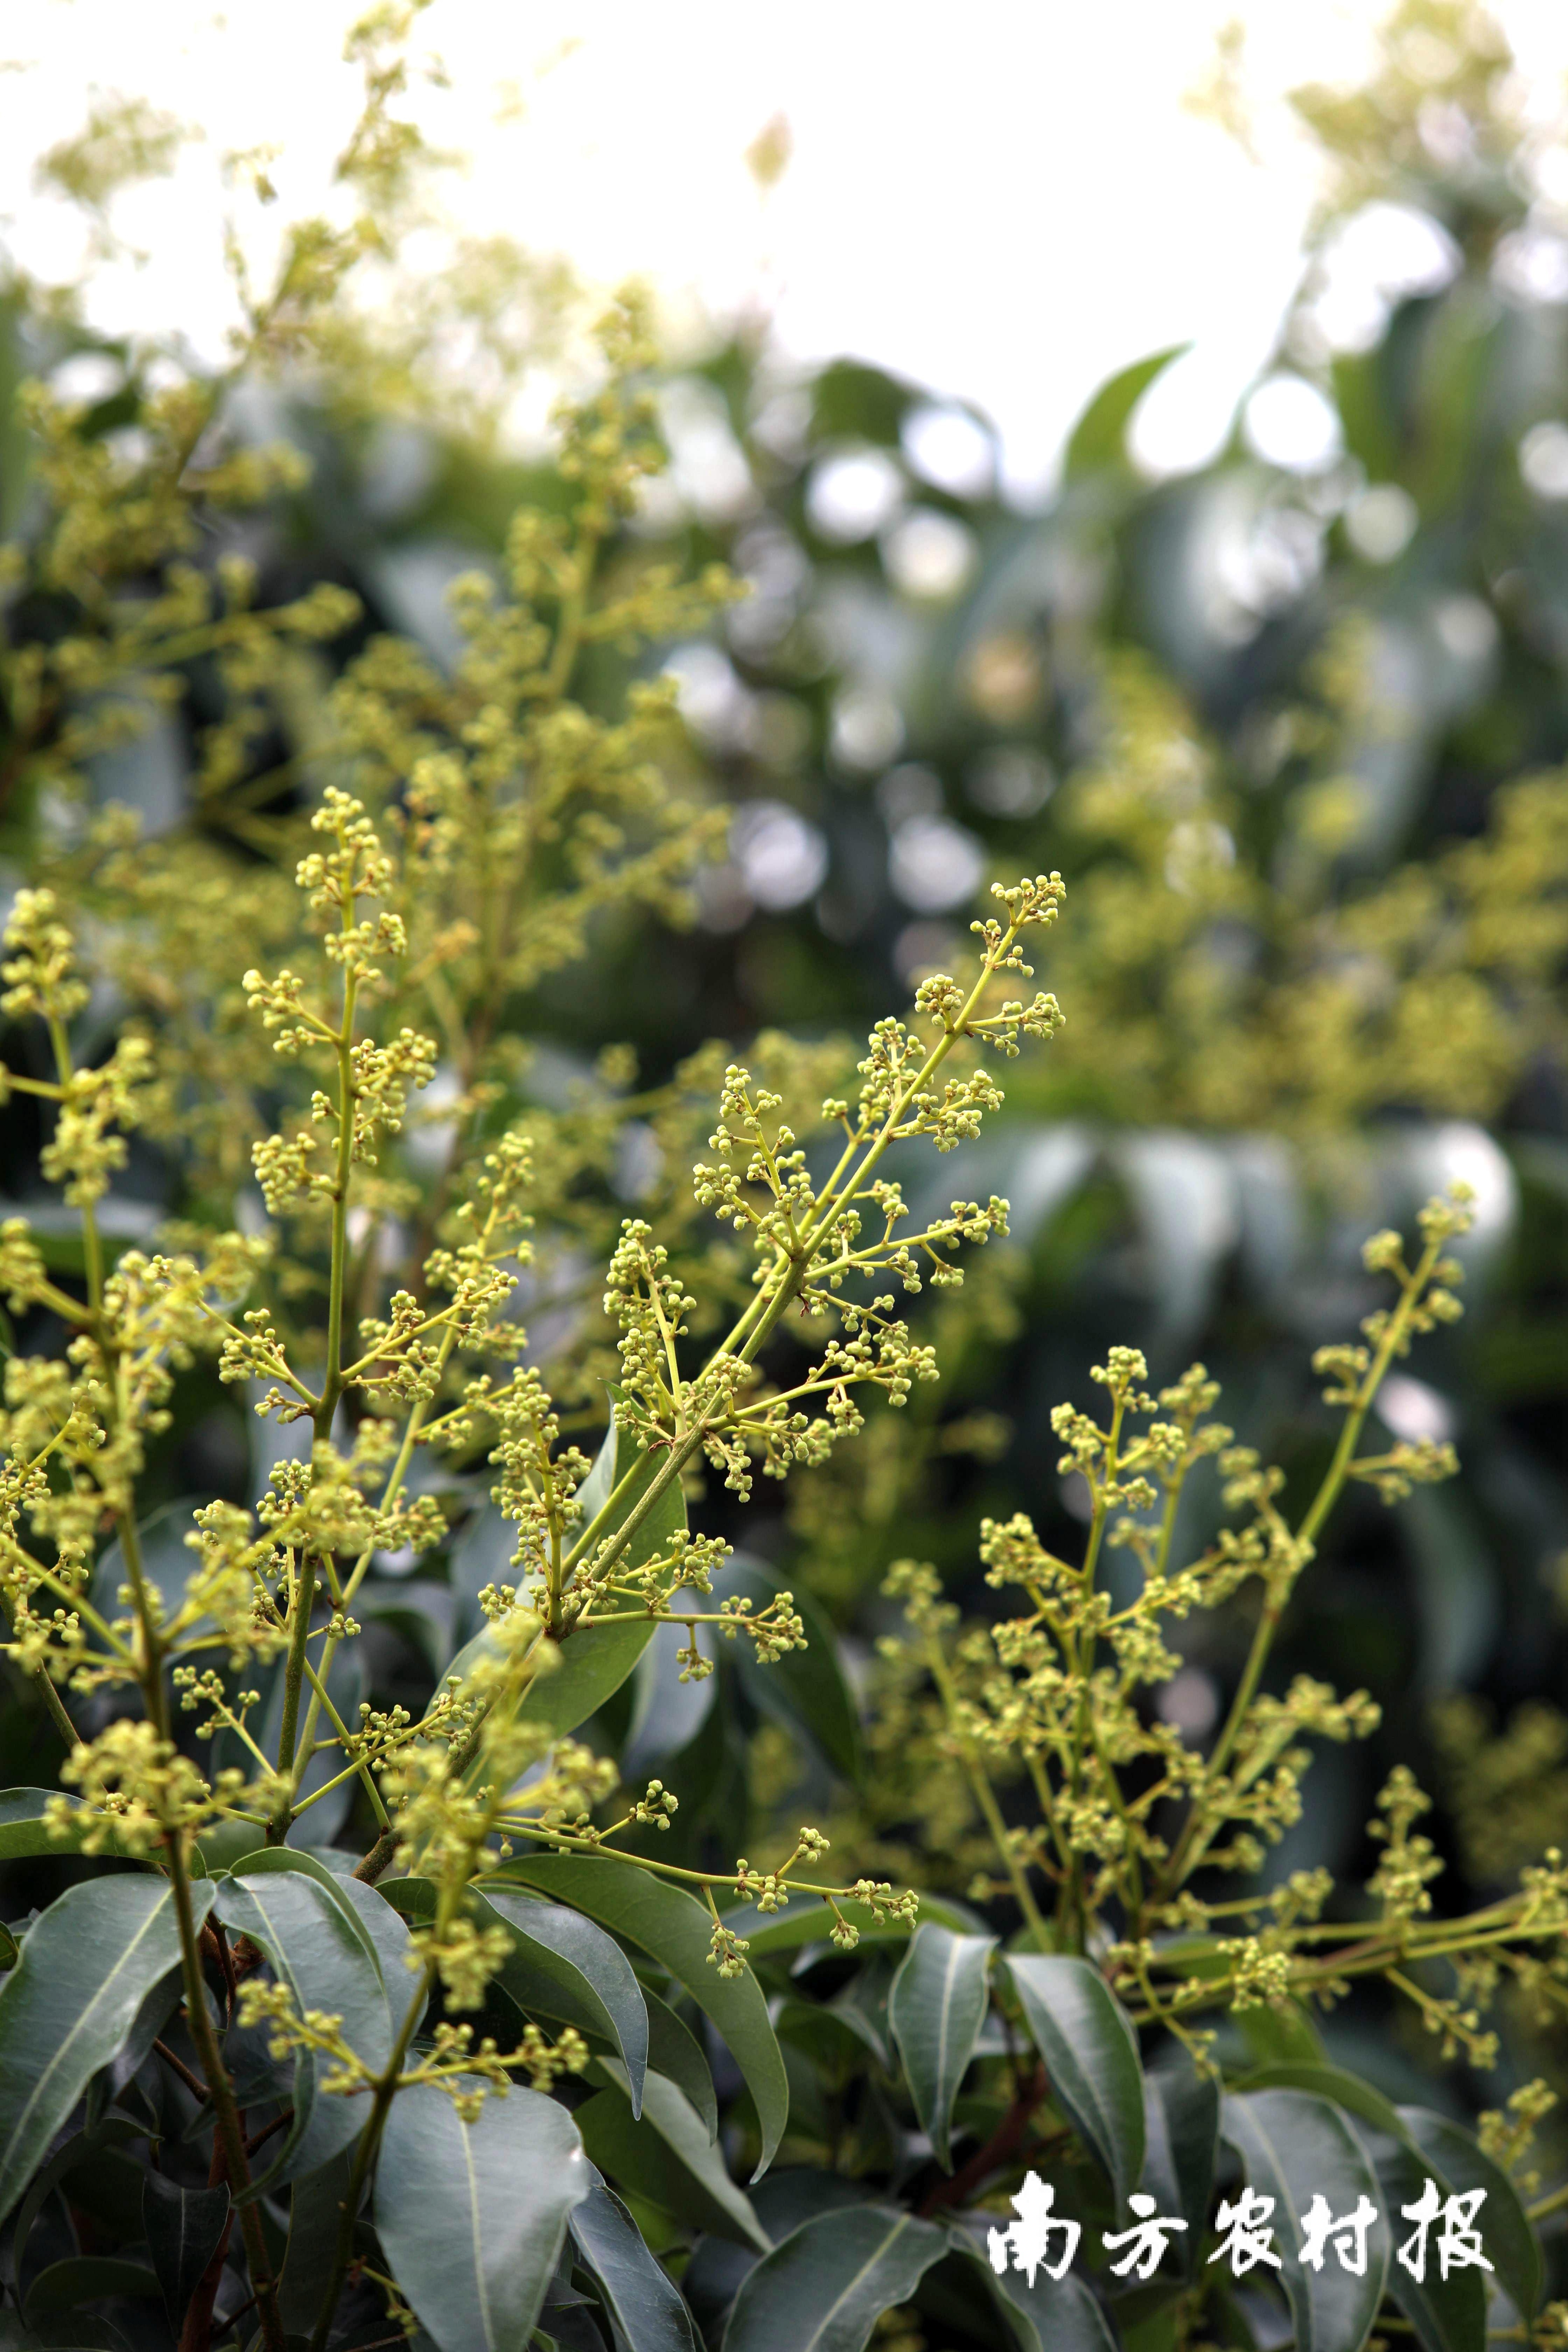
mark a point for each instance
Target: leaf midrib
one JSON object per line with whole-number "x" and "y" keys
{"x": 63, "y": 2048}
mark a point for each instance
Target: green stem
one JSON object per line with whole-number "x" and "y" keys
{"x": 293, "y": 1681}
{"x": 1192, "y": 1843}
{"x": 54, "y": 1706}
{"x": 755, "y": 1325}
{"x": 365, "y": 2154}
{"x": 226, "y": 2112}
{"x": 985, "y": 1797}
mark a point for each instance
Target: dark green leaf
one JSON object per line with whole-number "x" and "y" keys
{"x": 836, "y": 2035}
{"x": 84, "y": 2278}
{"x": 472, "y": 2215}
{"x": 936, "y": 2007}
{"x": 315, "y": 2211}
{"x": 183, "y": 2228}
{"x": 222, "y": 1844}
{"x": 1511, "y": 2241}
{"x": 1285, "y": 2036}
{"x": 826, "y": 2287}
{"x": 594, "y": 1663}
{"x": 150, "y": 2019}
{"x": 675, "y": 1931}
{"x": 667, "y": 2157}
{"x": 1061, "y": 2314}
{"x": 570, "y": 1952}
{"x": 770, "y": 1934}
{"x": 95, "y": 2147}
{"x": 298, "y": 1861}
{"x": 67, "y": 2007}
{"x": 644, "y": 2305}
{"x": 1099, "y": 439}
{"x": 1181, "y": 2116}
{"x": 22, "y": 1831}
{"x": 1331, "y": 2082}
{"x": 1083, "y": 2033}
{"x": 1448, "y": 2315}
{"x": 322, "y": 1951}
{"x": 804, "y": 1688}
{"x": 1293, "y": 2147}
{"x": 388, "y": 1934}
{"x": 674, "y": 2050}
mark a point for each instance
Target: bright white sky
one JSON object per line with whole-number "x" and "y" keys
{"x": 1005, "y": 201}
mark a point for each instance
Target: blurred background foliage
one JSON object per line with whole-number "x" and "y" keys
{"x": 1292, "y": 726}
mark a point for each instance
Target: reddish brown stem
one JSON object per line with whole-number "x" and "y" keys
{"x": 197, "y": 2332}
{"x": 998, "y": 2151}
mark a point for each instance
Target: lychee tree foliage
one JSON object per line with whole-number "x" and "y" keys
{"x": 372, "y": 2013}
{"x": 448, "y": 2083}
{"x": 328, "y": 2092}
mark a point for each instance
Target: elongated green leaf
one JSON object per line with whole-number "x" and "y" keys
{"x": 772, "y": 1934}
{"x": 1511, "y": 2242}
{"x": 667, "y": 2157}
{"x": 320, "y": 1948}
{"x": 388, "y": 1934}
{"x": 382, "y": 1929}
{"x": 1099, "y": 439}
{"x": 1331, "y": 2082}
{"x": 571, "y": 1952}
{"x": 183, "y": 2228}
{"x": 1082, "y": 2032}
{"x": 1448, "y": 2315}
{"x": 315, "y": 2210}
{"x": 824, "y": 2288}
{"x": 22, "y": 1831}
{"x": 1286, "y": 2036}
{"x": 1060, "y": 2314}
{"x": 1294, "y": 2148}
{"x": 675, "y": 1930}
{"x": 95, "y": 2148}
{"x": 67, "y": 2005}
{"x": 63, "y": 2331}
{"x": 84, "y": 2278}
{"x": 594, "y": 1661}
{"x": 1181, "y": 2117}
{"x": 645, "y": 2306}
{"x": 473, "y": 2216}
{"x": 674, "y": 2050}
{"x": 156, "y": 2007}
{"x": 936, "y": 2007}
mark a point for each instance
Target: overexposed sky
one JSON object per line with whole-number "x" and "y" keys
{"x": 1006, "y": 201}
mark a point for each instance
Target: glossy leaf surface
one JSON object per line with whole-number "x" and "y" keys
{"x": 574, "y": 1955}
{"x": 647, "y": 2307}
{"x": 1447, "y": 2315}
{"x": 826, "y": 2287}
{"x": 675, "y": 1930}
{"x": 320, "y": 1949}
{"x": 1293, "y": 2147}
{"x": 667, "y": 2157}
{"x": 183, "y": 2228}
{"x": 67, "y": 2007}
{"x": 472, "y": 2215}
{"x": 1181, "y": 2116}
{"x": 1082, "y": 2032}
{"x": 1511, "y": 2241}
{"x": 936, "y": 2009}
